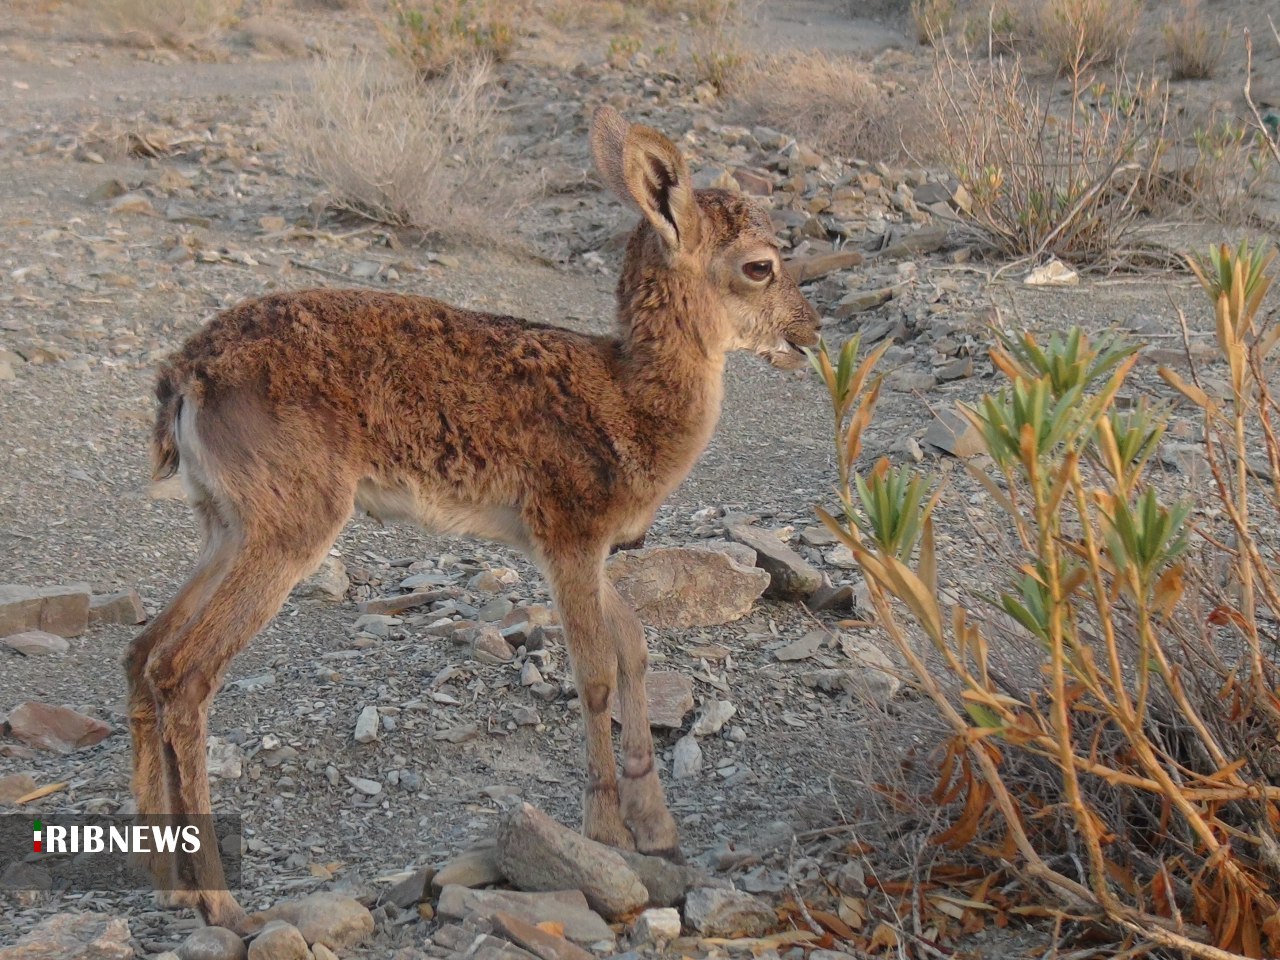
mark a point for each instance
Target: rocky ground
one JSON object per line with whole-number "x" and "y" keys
{"x": 412, "y": 702}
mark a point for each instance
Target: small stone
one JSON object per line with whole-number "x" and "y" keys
{"x": 803, "y": 648}
{"x": 961, "y": 368}
{"x": 686, "y": 586}
{"x": 831, "y": 598}
{"x": 495, "y": 610}
{"x": 538, "y": 854}
{"x": 329, "y": 582}
{"x": 658, "y": 926}
{"x": 723, "y": 912}
{"x": 376, "y": 624}
{"x": 393, "y": 605}
{"x": 1055, "y": 273}
{"x": 367, "y": 725}
{"x": 54, "y": 728}
{"x": 951, "y": 432}
{"x": 791, "y": 577}
{"x": 712, "y": 717}
{"x": 134, "y": 203}
{"x": 477, "y": 866}
{"x": 224, "y": 759}
{"x": 124, "y": 608}
{"x": 279, "y": 941}
{"x": 686, "y": 761}
{"x": 36, "y": 643}
{"x": 493, "y": 581}
{"x": 63, "y": 610}
{"x": 911, "y": 381}
{"x": 106, "y": 190}
{"x": 15, "y": 785}
{"x": 370, "y": 788}
{"x": 330, "y": 919}
{"x": 212, "y": 943}
{"x": 530, "y": 675}
{"x": 842, "y": 557}
{"x": 74, "y": 936}
{"x": 670, "y": 698}
{"x": 489, "y": 646}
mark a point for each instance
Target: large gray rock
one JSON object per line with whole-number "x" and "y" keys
{"x": 568, "y": 908}
{"x": 59, "y": 729}
{"x": 212, "y": 943}
{"x": 687, "y": 586}
{"x": 538, "y": 854}
{"x": 63, "y": 610}
{"x": 791, "y": 576}
{"x": 331, "y": 919}
{"x": 722, "y": 912}
{"x": 74, "y": 936}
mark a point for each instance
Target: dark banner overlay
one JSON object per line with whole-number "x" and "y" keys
{"x": 73, "y": 854}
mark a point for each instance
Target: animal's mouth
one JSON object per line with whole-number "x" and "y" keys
{"x": 788, "y": 352}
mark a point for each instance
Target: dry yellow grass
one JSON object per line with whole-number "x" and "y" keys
{"x": 392, "y": 148}
{"x": 1195, "y": 46}
{"x": 179, "y": 24}
{"x": 830, "y": 103}
{"x": 1073, "y": 34}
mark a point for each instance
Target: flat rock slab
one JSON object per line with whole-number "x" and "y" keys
{"x": 538, "y": 854}
{"x": 59, "y": 729}
{"x": 63, "y": 610}
{"x": 722, "y": 912}
{"x": 791, "y": 576}
{"x": 537, "y": 941}
{"x": 568, "y": 908}
{"x": 74, "y": 936}
{"x": 124, "y": 607}
{"x": 36, "y": 643}
{"x": 686, "y": 586}
{"x": 477, "y": 866}
{"x": 670, "y": 698}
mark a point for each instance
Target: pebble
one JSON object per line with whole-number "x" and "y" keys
{"x": 658, "y": 926}
{"x": 36, "y": 643}
{"x": 712, "y": 717}
{"x": 368, "y": 787}
{"x": 723, "y": 912}
{"x": 279, "y": 941}
{"x": 686, "y": 760}
{"x": 367, "y": 725}
{"x": 212, "y": 943}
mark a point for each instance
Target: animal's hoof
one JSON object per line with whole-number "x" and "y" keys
{"x": 670, "y": 854}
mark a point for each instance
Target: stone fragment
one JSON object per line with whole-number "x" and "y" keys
{"x": 477, "y": 866}
{"x": 63, "y": 610}
{"x": 135, "y": 203}
{"x": 686, "y": 760}
{"x": 124, "y": 607}
{"x": 279, "y": 941}
{"x": 686, "y": 586}
{"x": 489, "y": 646}
{"x": 36, "y": 643}
{"x": 212, "y": 943}
{"x": 367, "y": 725}
{"x": 15, "y": 785}
{"x": 224, "y": 759}
{"x": 724, "y": 912}
{"x": 393, "y": 605}
{"x": 411, "y": 890}
{"x": 329, "y": 582}
{"x": 1055, "y": 273}
{"x": 658, "y": 926}
{"x": 568, "y": 908}
{"x": 712, "y": 717}
{"x": 791, "y": 577}
{"x": 331, "y": 919}
{"x": 536, "y": 940}
{"x": 803, "y": 648}
{"x": 951, "y": 432}
{"x": 55, "y": 728}
{"x": 538, "y": 854}
{"x": 74, "y": 936}
{"x": 493, "y": 581}
{"x": 669, "y": 695}
{"x": 370, "y": 788}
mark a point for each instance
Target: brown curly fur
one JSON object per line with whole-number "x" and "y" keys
{"x": 287, "y": 411}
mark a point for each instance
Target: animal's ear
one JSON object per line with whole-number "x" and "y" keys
{"x": 646, "y": 169}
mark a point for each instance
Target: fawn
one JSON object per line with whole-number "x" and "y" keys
{"x": 286, "y": 412}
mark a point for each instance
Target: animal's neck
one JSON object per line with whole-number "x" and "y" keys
{"x": 673, "y": 364}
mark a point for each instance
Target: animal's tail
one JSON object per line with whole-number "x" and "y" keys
{"x": 164, "y": 437}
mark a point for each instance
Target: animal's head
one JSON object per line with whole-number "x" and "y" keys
{"x": 719, "y": 245}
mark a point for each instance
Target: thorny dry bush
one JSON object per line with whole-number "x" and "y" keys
{"x": 401, "y": 151}
{"x": 1194, "y": 43}
{"x": 179, "y": 24}
{"x": 830, "y": 103}
{"x": 1131, "y": 778}
{"x": 1081, "y": 176}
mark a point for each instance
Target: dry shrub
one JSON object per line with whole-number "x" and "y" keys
{"x": 434, "y": 36}
{"x": 715, "y": 46}
{"x": 1194, "y": 47}
{"x": 1068, "y": 178}
{"x": 931, "y": 19}
{"x": 1072, "y": 34}
{"x": 400, "y": 151}
{"x": 178, "y": 24}
{"x": 829, "y": 102}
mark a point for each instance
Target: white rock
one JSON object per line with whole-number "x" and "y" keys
{"x": 712, "y": 717}
{"x": 224, "y": 759}
{"x": 367, "y": 725}
{"x": 658, "y": 926}
{"x": 687, "y": 758}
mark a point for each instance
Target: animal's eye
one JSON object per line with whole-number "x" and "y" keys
{"x": 758, "y": 270}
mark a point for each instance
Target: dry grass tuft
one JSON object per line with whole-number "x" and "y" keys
{"x": 435, "y": 36}
{"x": 394, "y": 149}
{"x": 1194, "y": 46}
{"x": 178, "y": 24}
{"x": 1074, "y": 34}
{"x": 931, "y": 19}
{"x": 829, "y": 102}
